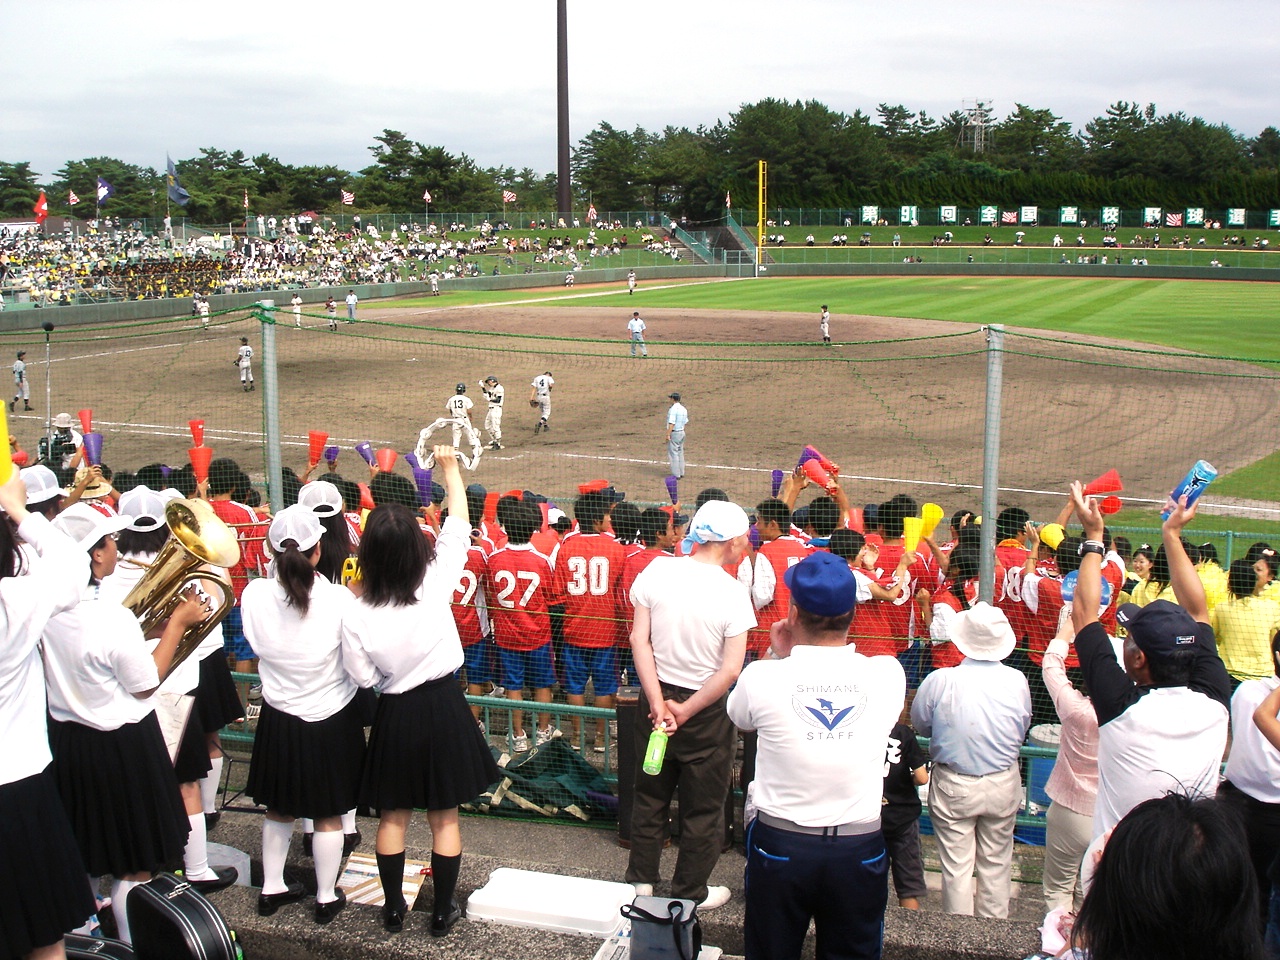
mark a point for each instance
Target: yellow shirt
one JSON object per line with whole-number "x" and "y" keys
{"x": 1272, "y": 590}
{"x": 1214, "y": 579}
{"x": 1148, "y": 590}
{"x": 1244, "y": 629}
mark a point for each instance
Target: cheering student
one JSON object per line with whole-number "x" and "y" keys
{"x": 425, "y": 750}
{"x": 310, "y": 743}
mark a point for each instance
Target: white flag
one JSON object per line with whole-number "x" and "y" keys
{"x": 426, "y": 195}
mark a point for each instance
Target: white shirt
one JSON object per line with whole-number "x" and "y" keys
{"x": 694, "y": 608}
{"x": 543, "y": 383}
{"x": 398, "y": 648}
{"x": 495, "y": 394}
{"x": 296, "y": 302}
{"x": 459, "y": 407}
{"x": 95, "y": 660}
{"x": 1254, "y": 764}
{"x": 245, "y": 353}
{"x": 49, "y": 585}
{"x": 19, "y": 371}
{"x": 823, "y": 715}
{"x": 352, "y": 299}
{"x": 677, "y": 417}
{"x": 299, "y": 657}
{"x": 976, "y": 715}
{"x": 636, "y": 325}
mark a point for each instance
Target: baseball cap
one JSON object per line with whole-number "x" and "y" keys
{"x": 145, "y": 506}
{"x": 1159, "y": 629}
{"x": 822, "y": 584}
{"x": 62, "y": 421}
{"x": 674, "y": 396}
{"x": 601, "y": 487}
{"x": 297, "y": 523}
{"x": 41, "y": 484}
{"x": 322, "y": 497}
{"x": 86, "y": 526}
{"x": 677, "y": 519}
{"x": 21, "y": 354}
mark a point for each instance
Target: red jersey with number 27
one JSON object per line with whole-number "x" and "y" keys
{"x": 519, "y": 591}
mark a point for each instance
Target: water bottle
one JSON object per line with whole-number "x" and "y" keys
{"x": 655, "y": 752}
{"x": 1193, "y": 484}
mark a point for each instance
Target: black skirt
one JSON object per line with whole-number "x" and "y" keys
{"x": 367, "y": 700}
{"x": 120, "y": 795}
{"x": 425, "y": 751}
{"x": 217, "y": 702}
{"x": 192, "y": 761}
{"x": 305, "y": 769}
{"x": 44, "y": 890}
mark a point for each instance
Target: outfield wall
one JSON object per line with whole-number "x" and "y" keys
{"x": 31, "y": 319}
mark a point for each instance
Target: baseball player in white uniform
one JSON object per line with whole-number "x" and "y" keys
{"x": 631, "y": 282}
{"x": 824, "y": 324}
{"x": 636, "y": 327}
{"x": 540, "y": 397}
{"x": 21, "y": 388}
{"x": 244, "y": 360}
{"x": 459, "y": 418}
{"x": 296, "y": 303}
{"x": 493, "y": 392}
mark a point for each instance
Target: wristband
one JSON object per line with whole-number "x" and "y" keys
{"x": 1092, "y": 546}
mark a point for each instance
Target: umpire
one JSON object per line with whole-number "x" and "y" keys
{"x": 823, "y": 713}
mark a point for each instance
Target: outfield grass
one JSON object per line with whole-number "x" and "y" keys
{"x": 1259, "y": 481}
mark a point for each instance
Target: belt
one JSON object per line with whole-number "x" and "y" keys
{"x": 837, "y": 830}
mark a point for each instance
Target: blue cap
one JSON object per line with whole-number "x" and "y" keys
{"x": 822, "y": 584}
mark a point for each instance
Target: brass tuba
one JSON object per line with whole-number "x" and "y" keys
{"x": 197, "y": 536}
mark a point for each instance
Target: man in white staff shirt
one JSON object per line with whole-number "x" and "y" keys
{"x": 677, "y": 420}
{"x": 636, "y": 327}
{"x": 493, "y": 392}
{"x": 540, "y": 397}
{"x": 823, "y": 713}
{"x": 352, "y": 300}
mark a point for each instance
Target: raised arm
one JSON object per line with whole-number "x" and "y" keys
{"x": 1085, "y": 606}
{"x": 455, "y": 491}
{"x": 1187, "y": 585}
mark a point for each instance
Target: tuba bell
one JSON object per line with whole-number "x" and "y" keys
{"x": 197, "y": 537}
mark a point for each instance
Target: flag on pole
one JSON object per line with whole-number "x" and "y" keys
{"x": 41, "y": 209}
{"x": 508, "y": 196}
{"x": 72, "y": 199}
{"x": 591, "y": 212}
{"x": 727, "y": 203}
{"x": 105, "y": 191}
{"x": 426, "y": 195}
{"x": 348, "y": 198}
{"x": 176, "y": 193}
{"x": 246, "y": 198}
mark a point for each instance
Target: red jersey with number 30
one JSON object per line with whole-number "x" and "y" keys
{"x": 588, "y": 575}
{"x": 470, "y": 608}
{"x": 519, "y": 592}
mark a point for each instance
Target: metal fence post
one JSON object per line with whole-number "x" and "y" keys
{"x": 271, "y": 406}
{"x": 991, "y": 461}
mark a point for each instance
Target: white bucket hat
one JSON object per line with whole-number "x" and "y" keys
{"x": 297, "y": 523}
{"x": 983, "y": 633}
{"x": 323, "y": 497}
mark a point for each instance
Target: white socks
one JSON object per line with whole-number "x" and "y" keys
{"x": 349, "y": 821}
{"x": 119, "y": 893}
{"x": 209, "y": 786}
{"x": 326, "y": 851}
{"x": 275, "y": 849}
{"x": 195, "y": 856}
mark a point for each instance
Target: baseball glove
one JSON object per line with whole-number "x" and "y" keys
{"x": 533, "y": 403}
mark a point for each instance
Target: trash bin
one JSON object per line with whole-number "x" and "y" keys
{"x": 1048, "y": 736}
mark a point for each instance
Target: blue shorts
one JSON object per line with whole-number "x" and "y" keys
{"x": 233, "y": 640}
{"x": 912, "y": 660}
{"x": 477, "y": 660}
{"x": 598, "y": 663}
{"x": 515, "y": 667}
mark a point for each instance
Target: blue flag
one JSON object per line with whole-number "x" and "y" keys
{"x": 105, "y": 190}
{"x": 176, "y": 193}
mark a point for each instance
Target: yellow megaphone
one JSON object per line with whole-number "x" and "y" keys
{"x": 931, "y": 514}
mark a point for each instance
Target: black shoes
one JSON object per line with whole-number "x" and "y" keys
{"x": 327, "y": 911}
{"x": 442, "y": 925}
{"x": 350, "y": 841}
{"x": 211, "y": 820}
{"x": 268, "y": 903}
{"x": 224, "y": 877}
{"x": 393, "y": 916}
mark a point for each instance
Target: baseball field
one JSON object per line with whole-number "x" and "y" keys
{"x": 1097, "y": 375}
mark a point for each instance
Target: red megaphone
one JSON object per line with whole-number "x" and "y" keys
{"x": 86, "y": 420}
{"x": 201, "y": 457}
{"x": 813, "y": 470}
{"x": 1109, "y": 482}
{"x": 386, "y": 459}
{"x": 197, "y": 432}
{"x": 366, "y": 496}
{"x": 1111, "y": 505}
{"x": 491, "y": 507}
{"x": 316, "y": 439}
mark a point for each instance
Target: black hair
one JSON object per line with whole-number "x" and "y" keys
{"x": 1160, "y": 566}
{"x": 562, "y": 526}
{"x": 774, "y": 511}
{"x": 475, "y": 504}
{"x": 296, "y": 575}
{"x": 846, "y": 544}
{"x": 816, "y": 624}
{"x": 958, "y": 521}
{"x": 589, "y": 510}
{"x": 393, "y": 556}
{"x": 1123, "y": 547}
{"x": 1010, "y": 523}
{"x": 1253, "y": 554}
{"x": 183, "y": 480}
{"x": 824, "y": 516}
{"x": 626, "y": 521}
{"x": 124, "y": 481}
{"x": 962, "y": 566}
{"x": 134, "y": 542}
{"x": 970, "y": 536}
{"x": 1275, "y": 649}
{"x": 1171, "y": 669}
{"x": 1068, "y": 555}
{"x": 335, "y": 547}
{"x": 1208, "y": 553}
{"x": 224, "y": 476}
{"x": 290, "y": 485}
{"x": 707, "y": 495}
{"x": 1144, "y": 550}
{"x": 1175, "y": 882}
{"x": 1241, "y": 580}
{"x": 893, "y": 512}
{"x": 243, "y": 485}
{"x": 393, "y": 488}
{"x": 653, "y": 525}
{"x": 519, "y": 519}
{"x": 349, "y": 489}
{"x": 12, "y": 559}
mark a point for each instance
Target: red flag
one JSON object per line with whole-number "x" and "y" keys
{"x": 41, "y": 208}
{"x": 72, "y": 199}
{"x": 591, "y": 212}
{"x": 1009, "y": 216}
{"x": 508, "y": 196}
{"x": 348, "y": 198}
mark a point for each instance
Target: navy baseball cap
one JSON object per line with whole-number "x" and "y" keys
{"x": 822, "y": 584}
{"x": 1159, "y": 629}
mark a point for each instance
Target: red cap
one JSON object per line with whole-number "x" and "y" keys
{"x": 592, "y": 486}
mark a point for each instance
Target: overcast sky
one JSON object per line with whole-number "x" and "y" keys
{"x": 314, "y": 83}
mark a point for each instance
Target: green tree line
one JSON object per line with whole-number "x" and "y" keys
{"x": 818, "y": 157}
